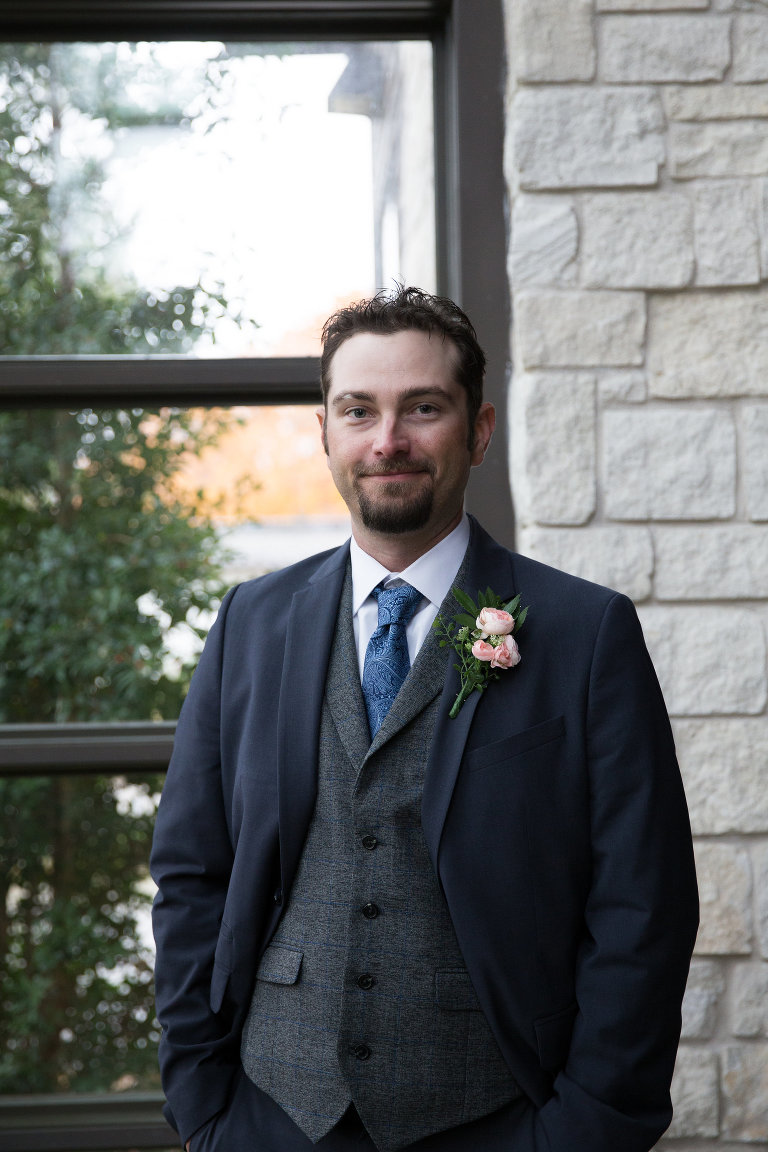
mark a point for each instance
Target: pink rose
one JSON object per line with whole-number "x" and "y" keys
{"x": 483, "y": 651}
{"x": 494, "y": 622}
{"x": 506, "y": 655}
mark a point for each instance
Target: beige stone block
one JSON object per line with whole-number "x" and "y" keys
{"x": 749, "y": 989}
{"x": 658, "y": 49}
{"x": 727, "y": 234}
{"x": 725, "y": 888}
{"x": 708, "y": 344}
{"x": 620, "y": 558}
{"x": 579, "y": 329}
{"x": 745, "y": 1093}
{"x": 734, "y": 148}
{"x": 710, "y": 661}
{"x": 578, "y": 136}
{"x": 627, "y": 386}
{"x": 754, "y": 439}
{"x": 760, "y": 863}
{"x": 649, "y": 5}
{"x": 551, "y": 40}
{"x": 724, "y": 763}
{"x": 668, "y": 463}
{"x": 637, "y": 240}
{"x": 716, "y": 102}
{"x": 712, "y": 562}
{"x": 750, "y": 48}
{"x": 545, "y": 240}
{"x": 555, "y": 414}
{"x": 694, "y": 1094}
{"x": 701, "y": 1003}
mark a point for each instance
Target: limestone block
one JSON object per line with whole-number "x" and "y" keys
{"x": 545, "y": 240}
{"x": 733, "y": 148}
{"x": 575, "y": 136}
{"x": 725, "y": 887}
{"x": 708, "y": 344}
{"x": 716, "y": 102}
{"x": 750, "y": 48}
{"x": 712, "y": 562}
{"x": 657, "y": 49}
{"x": 760, "y": 861}
{"x": 552, "y": 40}
{"x": 579, "y": 329}
{"x": 724, "y": 763}
{"x": 637, "y": 240}
{"x": 706, "y": 984}
{"x": 749, "y": 986}
{"x": 745, "y": 1093}
{"x": 648, "y": 5}
{"x": 626, "y": 387}
{"x": 727, "y": 234}
{"x": 669, "y": 464}
{"x": 710, "y": 661}
{"x": 694, "y": 1094}
{"x": 620, "y": 558}
{"x": 754, "y": 428}
{"x": 557, "y": 421}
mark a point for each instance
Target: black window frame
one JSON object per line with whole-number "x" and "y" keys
{"x": 469, "y": 79}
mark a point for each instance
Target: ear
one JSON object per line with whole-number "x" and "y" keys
{"x": 485, "y": 422}
{"x": 321, "y": 414}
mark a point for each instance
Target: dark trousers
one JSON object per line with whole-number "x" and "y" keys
{"x": 253, "y": 1122}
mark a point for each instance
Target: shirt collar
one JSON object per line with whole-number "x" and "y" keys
{"x": 433, "y": 573}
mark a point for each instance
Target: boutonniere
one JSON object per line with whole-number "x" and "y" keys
{"x": 484, "y": 642}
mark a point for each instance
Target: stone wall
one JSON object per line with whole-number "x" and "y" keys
{"x": 637, "y": 168}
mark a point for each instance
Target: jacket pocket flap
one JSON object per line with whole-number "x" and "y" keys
{"x": 516, "y": 745}
{"x": 553, "y": 1035}
{"x": 453, "y": 990}
{"x": 280, "y": 965}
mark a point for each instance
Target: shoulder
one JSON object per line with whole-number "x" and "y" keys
{"x": 272, "y": 593}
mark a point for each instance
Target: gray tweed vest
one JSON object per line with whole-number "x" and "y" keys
{"x": 362, "y": 994}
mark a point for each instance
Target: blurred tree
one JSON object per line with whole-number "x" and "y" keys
{"x": 102, "y": 562}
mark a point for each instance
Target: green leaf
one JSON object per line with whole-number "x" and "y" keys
{"x": 521, "y": 618}
{"x": 466, "y": 602}
{"x": 513, "y": 605}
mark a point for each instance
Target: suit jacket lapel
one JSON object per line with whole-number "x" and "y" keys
{"x": 343, "y": 691}
{"x": 487, "y": 564}
{"x": 309, "y": 636}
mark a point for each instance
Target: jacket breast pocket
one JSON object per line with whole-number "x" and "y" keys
{"x": 522, "y": 743}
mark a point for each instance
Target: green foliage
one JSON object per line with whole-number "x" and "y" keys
{"x": 102, "y": 559}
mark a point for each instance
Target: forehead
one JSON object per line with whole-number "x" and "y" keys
{"x": 399, "y": 359}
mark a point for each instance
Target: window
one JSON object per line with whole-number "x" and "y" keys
{"x": 204, "y": 355}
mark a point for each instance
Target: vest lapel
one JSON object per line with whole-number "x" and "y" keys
{"x": 343, "y": 691}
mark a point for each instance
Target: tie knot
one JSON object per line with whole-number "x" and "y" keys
{"x": 396, "y": 604}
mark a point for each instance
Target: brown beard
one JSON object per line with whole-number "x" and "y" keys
{"x": 400, "y": 512}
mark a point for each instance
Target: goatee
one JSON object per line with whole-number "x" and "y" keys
{"x": 397, "y": 510}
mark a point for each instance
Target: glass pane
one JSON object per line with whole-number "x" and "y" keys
{"x": 204, "y": 198}
{"x": 120, "y": 529}
{"x": 77, "y": 1011}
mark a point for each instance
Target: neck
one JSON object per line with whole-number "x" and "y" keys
{"x": 398, "y": 552}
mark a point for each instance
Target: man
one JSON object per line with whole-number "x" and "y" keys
{"x": 380, "y": 925}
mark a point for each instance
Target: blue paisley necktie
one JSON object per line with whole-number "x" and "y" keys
{"x": 386, "y": 657}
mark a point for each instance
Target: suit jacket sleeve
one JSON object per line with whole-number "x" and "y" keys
{"x": 640, "y": 918}
{"x": 191, "y": 864}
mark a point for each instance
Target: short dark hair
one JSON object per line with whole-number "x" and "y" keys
{"x": 403, "y": 310}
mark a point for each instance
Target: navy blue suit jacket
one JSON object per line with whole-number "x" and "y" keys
{"x": 555, "y": 819}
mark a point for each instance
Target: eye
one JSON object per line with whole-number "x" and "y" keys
{"x": 357, "y": 413}
{"x": 426, "y": 409}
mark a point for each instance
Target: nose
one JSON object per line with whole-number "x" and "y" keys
{"x": 391, "y": 438}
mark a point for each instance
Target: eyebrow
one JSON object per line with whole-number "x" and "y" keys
{"x": 408, "y": 394}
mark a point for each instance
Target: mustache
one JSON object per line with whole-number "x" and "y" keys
{"x": 394, "y": 468}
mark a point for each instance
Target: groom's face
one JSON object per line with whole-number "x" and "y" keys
{"x": 395, "y": 431}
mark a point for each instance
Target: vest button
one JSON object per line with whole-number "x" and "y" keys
{"x": 370, "y": 911}
{"x": 369, "y": 843}
{"x": 278, "y": 896}
{"x": 360, "y": 1051}
{"x": 365, "y": 981}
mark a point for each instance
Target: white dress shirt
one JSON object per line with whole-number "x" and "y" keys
{"x": 433, "y": 574}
